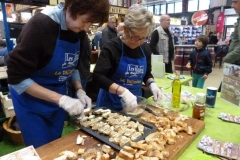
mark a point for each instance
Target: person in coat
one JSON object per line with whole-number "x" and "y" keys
{"x": 109, "y": 32}
{"x": 200, "y": 62}
{"x": 125, "y": 63}
{"x": 44, "y": 59}
{"x": 162, "y": 42}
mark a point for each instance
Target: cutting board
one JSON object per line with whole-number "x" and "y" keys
{"x": 68, "y": 142}
{"x": 185, "y": 140}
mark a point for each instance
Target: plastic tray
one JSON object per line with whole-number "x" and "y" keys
{"x": 148, "y": 129}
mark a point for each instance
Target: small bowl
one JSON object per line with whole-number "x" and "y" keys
{"x": 137, "y": 111}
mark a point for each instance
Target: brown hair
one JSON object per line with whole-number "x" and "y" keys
{"x": 203, "y": 39}
{"x": 98, "y": 9}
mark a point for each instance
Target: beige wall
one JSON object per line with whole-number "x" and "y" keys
{"x": 217, "y": 3}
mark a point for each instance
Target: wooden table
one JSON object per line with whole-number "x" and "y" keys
{"x": 68, "y": 142}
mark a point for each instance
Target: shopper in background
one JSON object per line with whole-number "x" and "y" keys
{"x": 162, "y": 42}
{"x": 3, "y": 58}
{"x": 125, "y": 62}
{"x": 3, "y": 52}
{"x": 38, "y": 71}
{"x": 109, "y": 32}
{"x": 213, "y": 38}
{"x": 200, "y": 62}
{"x": 97, "y": 40}
{"x": 233, "y": 55}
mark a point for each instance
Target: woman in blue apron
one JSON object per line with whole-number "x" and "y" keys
{"x": 44, "y": 59}
{"x": 125, "y": 62}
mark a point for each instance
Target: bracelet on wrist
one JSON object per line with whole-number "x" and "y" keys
{"x": 150, "y": 83}
{"x": 117, "y": 89}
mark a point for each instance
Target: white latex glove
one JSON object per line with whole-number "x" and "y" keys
{"x": 129, "y": 99}
{"x": 81, "y": 94}
{"x": 71, "y": 105}
{"x": 156, "y": 91}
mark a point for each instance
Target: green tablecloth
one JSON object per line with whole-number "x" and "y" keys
{"x": 214, "y": 127}
{"x": 167, "y": 83}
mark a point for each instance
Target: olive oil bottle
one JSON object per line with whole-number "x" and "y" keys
{"x": 176, "y": 92}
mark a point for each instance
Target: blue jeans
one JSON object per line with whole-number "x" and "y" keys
{"x": 198, "y": 81}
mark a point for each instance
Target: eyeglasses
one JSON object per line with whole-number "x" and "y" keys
{"x": 137, "y": 38}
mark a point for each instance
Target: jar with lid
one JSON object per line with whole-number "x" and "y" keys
{"x": 199, "y": 106}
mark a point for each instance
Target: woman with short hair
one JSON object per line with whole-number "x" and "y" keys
{"x": 125, "y": 62}
{"x": 44, "y": 59}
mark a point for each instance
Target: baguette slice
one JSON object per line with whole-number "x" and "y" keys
{"x": 125, "y": 155}
{"x": 129, "y": 149}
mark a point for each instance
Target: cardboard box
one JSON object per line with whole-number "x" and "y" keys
{"x": 7, "y": 105}
{"x": 230, "y": 90}
{"x": 158, "y": 67}
{"x": 22, "y": 154}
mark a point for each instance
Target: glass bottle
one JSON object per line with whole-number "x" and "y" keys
{"x": 199, "y": 106}
{"x": 176, "y": 92}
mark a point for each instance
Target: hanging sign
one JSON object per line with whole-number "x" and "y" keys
{"x": 118, "y": 10}
{"x": 199, "y": 18}
{"x": 220, "y": 22}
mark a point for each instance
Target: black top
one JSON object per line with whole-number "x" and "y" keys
{"x": 201, "y": 62}
{"x": 85, "y": 56}
{"x": 35, "y": 46}
{"x": 213, "y": 40}
{"x": 109, "y": 59}
{"x": 107, "y": 34}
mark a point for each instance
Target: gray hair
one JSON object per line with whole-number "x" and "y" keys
{"x": 138, "y": 17}
{"x": 163, "y": 17}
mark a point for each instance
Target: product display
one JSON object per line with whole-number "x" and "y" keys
{"x": 229, "y": 117}
{"x": 223, "y": 149}
{"x": 187, "y": 33}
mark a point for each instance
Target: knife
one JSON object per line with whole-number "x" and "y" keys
{"x": 151, "y": 111}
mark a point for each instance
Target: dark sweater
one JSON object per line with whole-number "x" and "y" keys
{"x": 109, "y": 59}
{"x": 201, "y": 62}
{"x": 35, "y": 47}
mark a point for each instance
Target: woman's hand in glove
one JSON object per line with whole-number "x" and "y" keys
{"x": 129, "y": 98}
{"x": 81, "y": 94}
{"x": 156, "y": 91}
{"x": 71, "y": 105}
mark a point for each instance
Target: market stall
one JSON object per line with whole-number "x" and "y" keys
{"x": 187, "y": 149}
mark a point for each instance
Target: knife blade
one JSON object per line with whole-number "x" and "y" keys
{"x": 151, "y": 111}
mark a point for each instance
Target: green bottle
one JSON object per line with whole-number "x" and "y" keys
{"x": 176, "y": 92}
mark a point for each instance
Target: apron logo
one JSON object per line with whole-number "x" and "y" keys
{"x": 62, "y": 78}
{"x": 70, "y": 60}
{"x": 134, "y": 70}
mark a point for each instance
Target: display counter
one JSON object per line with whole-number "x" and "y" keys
{"x": 182, "y": 54}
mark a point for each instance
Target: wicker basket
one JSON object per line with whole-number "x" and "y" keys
{"x": 15, "y": 136}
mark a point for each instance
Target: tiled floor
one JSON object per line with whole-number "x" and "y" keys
{"x": 214, "y": 79}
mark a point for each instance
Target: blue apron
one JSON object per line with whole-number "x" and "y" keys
{"x": 129, "y": 74}
{"x": 41, "y": 121}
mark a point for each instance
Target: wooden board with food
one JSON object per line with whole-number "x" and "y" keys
{"x": 174, "y": 134}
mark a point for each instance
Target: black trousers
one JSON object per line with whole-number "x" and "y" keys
{"x": 168, "y": 67}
